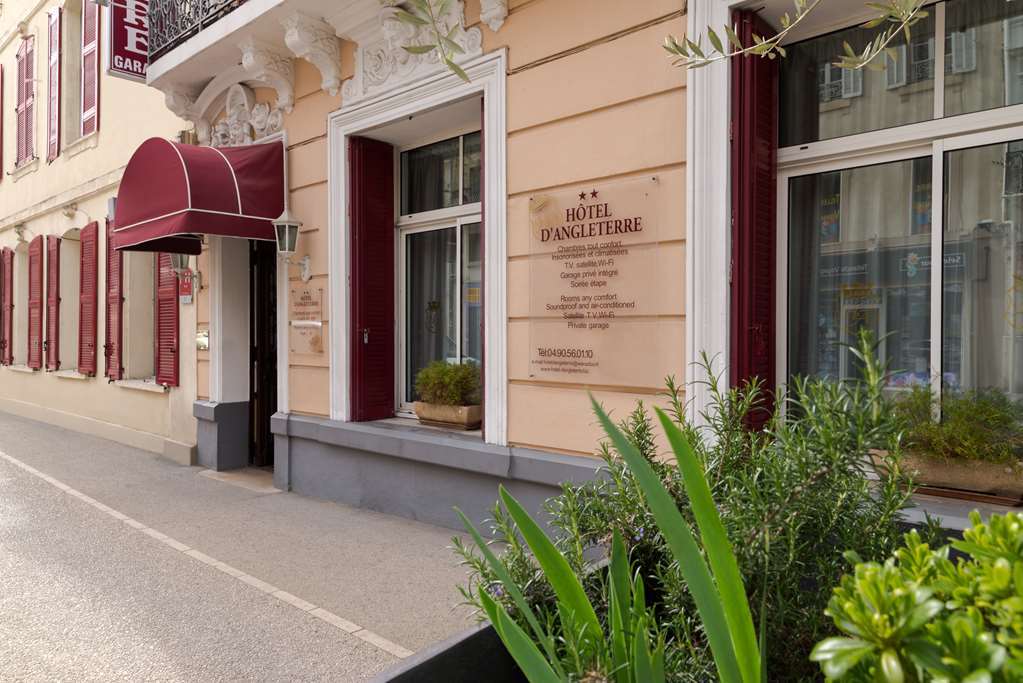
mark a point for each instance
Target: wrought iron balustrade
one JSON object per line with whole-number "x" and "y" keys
{"x": 172, "y": 22}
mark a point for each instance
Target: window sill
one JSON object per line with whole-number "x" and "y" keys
{"x": 20, "y": 172}
{"x": 149, "y": 385}
{"x": 81, "y": 144}
{"x": 21, "y": 368}
{"x": 70, "y": 374}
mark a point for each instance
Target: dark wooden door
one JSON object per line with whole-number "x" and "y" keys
{"x": 262, "y": 351}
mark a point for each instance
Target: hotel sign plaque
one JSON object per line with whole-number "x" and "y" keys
{"x": 594, "y": 285}
{"x": 306, "y": 328}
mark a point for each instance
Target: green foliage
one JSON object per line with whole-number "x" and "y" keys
{"x": 430, "y": 14}
{"x": 922, "y": 616}
{"x": 450, "y": 384}
{"x": 629, "y": 646}
{"x": 790, "y": 500}
{"x": 975, "y": 425}
{"x": 624, "y": 650}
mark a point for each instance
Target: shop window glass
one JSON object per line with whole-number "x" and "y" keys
{"x": 844, "y": 101}
{"x": 983, "y": 55}
{"x": 858, "y": 260}
{"x": 982, "y": 345}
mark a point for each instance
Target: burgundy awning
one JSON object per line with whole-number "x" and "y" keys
{"x": 171, "y": 194}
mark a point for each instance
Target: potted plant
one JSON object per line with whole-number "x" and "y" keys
{"x": 976, "y": 446}
{"x": 449, "y": 395}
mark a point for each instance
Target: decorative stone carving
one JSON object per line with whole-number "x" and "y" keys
{"x": 183, "y": 104}
{"x": 245, "y": 120}
{"x": 268, "y": 64}
{"x": 381, "y": 61}
{"x": 493, "y": 13}
{"x": 315, "y": 41}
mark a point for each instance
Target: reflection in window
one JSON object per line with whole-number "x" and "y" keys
{"x": 857, "y": 260}
{"x": 845, "y": 102}
{"x": 984, "y": 55}
{"x": 441, "y": 175}
{"x": 982, "y": 307}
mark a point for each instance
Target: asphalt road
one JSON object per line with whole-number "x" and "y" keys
{"x": 90, "y": 592}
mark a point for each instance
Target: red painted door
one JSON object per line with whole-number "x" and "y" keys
{"x": 371, "y": 217}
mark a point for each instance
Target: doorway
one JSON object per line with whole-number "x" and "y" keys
{"x": 262, "y": 351}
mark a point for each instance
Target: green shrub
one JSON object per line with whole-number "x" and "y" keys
{"x": 450, "y": 384}
{"x": 975, "y": 425}
{"x": 792, "y": 499}
{"x": 922, "y": 616}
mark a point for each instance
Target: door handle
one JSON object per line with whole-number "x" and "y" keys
{"x": 365, "y": 335}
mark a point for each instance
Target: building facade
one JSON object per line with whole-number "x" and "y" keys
{"x": 574, "y": 216}
{"x": 79, "y": 338}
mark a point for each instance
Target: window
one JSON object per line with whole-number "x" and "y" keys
{"x": 19, "y": 325}
{"x": 139, "y": 315}
{"x": 70, "y": 281}
{"x": 78, "y": 101}
{"x": 25, "y": 103}
{"x": 866, "y": 100}
{"x": 876, "y": 274}
{"x": 440, "y": 271}
{"x": 984, "y": 48}
{"x": 982, "y": 308}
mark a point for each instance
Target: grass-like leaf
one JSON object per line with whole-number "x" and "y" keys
{"x": 719, "y": 552}
{"x": 502, "y": 573}
{"x": 523, "y": 650}
{"x": 573, "y": 605}
{"x": 685, "y": 550}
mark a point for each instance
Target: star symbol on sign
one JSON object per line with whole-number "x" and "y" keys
{"x": 594, "y": 194}
{"x": 582, "y": 195}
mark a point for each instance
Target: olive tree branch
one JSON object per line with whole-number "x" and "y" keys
{"x": 901, "y": 15}
{"x": 426, "y": 13}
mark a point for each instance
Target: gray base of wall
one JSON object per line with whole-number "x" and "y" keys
{"x": 411, "y": 471}
{"x": 222, "y": 438}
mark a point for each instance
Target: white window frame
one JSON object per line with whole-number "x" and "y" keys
{"x": 487, "y": 77}
{"x": 469, "y": 214}
{"x": 943, "y": 140}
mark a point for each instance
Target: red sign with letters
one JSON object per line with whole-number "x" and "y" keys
{"x": 129, "y": 39}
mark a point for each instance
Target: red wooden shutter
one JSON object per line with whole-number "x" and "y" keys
{"x": 166, "y": 322}
{"x": 90, "y": 67}
{"x": 35, "y": 303}
{"x": 52, "y": 343}
{"x": 87, "y": 299}
{"x": 114, "y": 307}
{"x": 53, "y": 87}
{"x": 24, "y": 102}
{"x": 7, "y": 306}
{"x": 371, "y": 214}
{"x": 754, "y": 192}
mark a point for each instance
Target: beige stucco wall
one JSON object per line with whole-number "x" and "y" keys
{"x": 87, "y": 174}
{"x": 604, "y": 105}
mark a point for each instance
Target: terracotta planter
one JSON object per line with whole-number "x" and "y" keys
{"x": 456, "y": 417}
{"x": 979, "y": 476}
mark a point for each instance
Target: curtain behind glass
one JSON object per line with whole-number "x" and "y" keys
{"x": 472, "y": 299}
{"x": 431, "y": 298}
{"x": 430, "y": 177}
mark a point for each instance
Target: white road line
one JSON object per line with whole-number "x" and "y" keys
{"x": 298, "y": 603}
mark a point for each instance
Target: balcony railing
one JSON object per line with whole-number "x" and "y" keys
{"x": 172, "y": 22}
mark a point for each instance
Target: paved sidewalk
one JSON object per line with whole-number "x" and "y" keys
{"x": 384, "y": 585}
